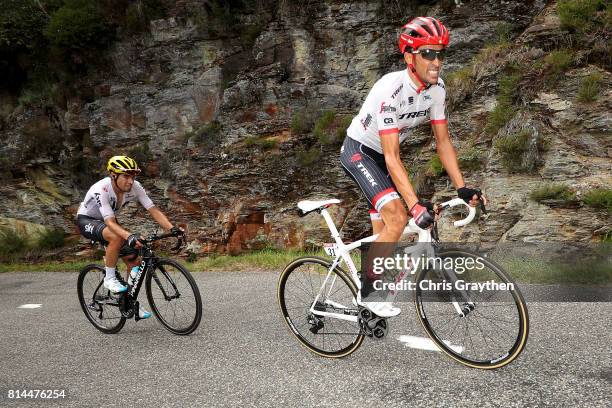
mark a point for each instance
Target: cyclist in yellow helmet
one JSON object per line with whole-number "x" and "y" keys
{"x": 96, "y": 218}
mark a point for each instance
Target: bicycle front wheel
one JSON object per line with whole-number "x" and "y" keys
{"x": 334, "y": 335}
{"x": 476, "y": 315}
{"x": 174, "y": 297}
{"x": 99, "y": 306}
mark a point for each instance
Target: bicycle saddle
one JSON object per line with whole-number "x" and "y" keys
{"x": 307, "y": 206}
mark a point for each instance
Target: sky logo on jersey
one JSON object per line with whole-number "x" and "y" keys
{"x": 89, "y": 228}
{"x": 355, "y": 157}
{"x": 367, "y": 175}
{"x": 386, "y": 109}
{"x": 410, "y": 115}
{"x": 366, "y": 122}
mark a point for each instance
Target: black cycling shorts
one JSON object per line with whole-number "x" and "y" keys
{"x": 368, "y": 169}
{"x": 91, "y": 228}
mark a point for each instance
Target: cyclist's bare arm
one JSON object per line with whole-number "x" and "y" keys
{"x": 448, "y": 157}
{"x": 114, "y": 227}
{"x": 447, "y": 154}
{"x": 160, "y": 218}
{"x": 397, "y": 170}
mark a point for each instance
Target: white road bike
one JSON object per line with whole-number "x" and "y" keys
{"x": 319, "y": 300}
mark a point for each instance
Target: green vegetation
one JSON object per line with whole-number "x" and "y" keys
{"x": 205, "y": 136}
{"x": 327, "y": 126}
{"x": 503, "y": 32}
{"x": 141, "y": 153}
{"x": 515, "y": 148}
{"x": 589, "y": 88}
{"x": 462, "y": 75}
{"x": 599, "y": 198}
{"x": 11, "y": 244}
{"x": 249, "y": 34}
{"x": 304, "y": 120}
{"x": 262, "y": 142}
{"x": 558, "y": 61}
{"x": 585, "y": 271}
{"x": 584, "y": 16}
{"x": 51, "y": 239}
{"x": 140, "y": 13}
{"x": 15, "y": 247}
{"x": 345, "y": 122}
{"x": 505, "y": 109}
{"x": 266, "y": 259}
{"x": 553, "y": 192}
{"x": 435, "y": 166}
{"x": 470, "y": 159}
{"x": 308, "y": 157}
{"x": 322, "y": 125}
{"x": 78, "y": 25}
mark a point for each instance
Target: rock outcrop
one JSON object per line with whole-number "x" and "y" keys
{"x": 208, "y": 115}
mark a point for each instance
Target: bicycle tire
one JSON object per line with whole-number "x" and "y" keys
{"x": 504, "y": 356}
{"x": 293, "y": 324}
{"x": 92, "y": 306}
{"x": 168, "y": 284}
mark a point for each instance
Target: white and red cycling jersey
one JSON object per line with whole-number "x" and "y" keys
{"x": 101, "y": 201}
{"x": 395, "y": 105}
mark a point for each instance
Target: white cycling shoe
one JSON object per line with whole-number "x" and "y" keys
{"x": 114, "y": 285}
{"x": 143, "y": 313}
{"x": 382, "y": 309}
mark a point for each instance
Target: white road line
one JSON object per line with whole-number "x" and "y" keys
{"x": 424, "y": 343}
{"x": 30, "y": 306}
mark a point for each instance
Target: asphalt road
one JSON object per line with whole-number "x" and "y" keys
{"x": 242, "y": 355}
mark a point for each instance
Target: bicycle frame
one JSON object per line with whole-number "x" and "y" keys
{"x": 423, "y": 245}
{"x": 147, "y": 265}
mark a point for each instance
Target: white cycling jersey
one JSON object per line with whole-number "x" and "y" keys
{"x": 395, "y": 105}
{"x": 101, "y": 201}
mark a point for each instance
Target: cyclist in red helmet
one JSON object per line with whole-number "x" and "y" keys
{"x": 370, "y": 155}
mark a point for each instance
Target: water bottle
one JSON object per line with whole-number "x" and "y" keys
{"x": 133, "y": 274}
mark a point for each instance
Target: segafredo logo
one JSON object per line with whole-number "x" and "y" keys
{"x": 367, "y": 174}
{"x": 137, "y": 278}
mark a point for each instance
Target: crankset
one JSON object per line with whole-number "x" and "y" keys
{"x": 371, "y": 324}
{"x": 127, "y": 306}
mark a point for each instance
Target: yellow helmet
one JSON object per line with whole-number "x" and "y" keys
{"x": 122, "y": 164}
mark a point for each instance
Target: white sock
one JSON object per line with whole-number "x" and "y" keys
{"x": 110, "y": 272}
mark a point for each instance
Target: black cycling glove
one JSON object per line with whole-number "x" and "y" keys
{"x": 177, "y": 232}
{"x": 466, "y": 194}
{"x": 132, "y": 239}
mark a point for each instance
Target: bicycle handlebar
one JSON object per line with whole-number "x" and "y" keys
{"x": 456, "y": 202}
{"x": 153, "y": 238}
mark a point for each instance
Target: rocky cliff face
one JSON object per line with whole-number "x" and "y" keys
{"x": 208, "y": 112}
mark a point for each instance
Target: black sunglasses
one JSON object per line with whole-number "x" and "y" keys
{"x": 431, "y": 55}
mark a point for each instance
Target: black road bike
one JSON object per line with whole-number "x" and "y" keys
{"x": 171, "y": 290}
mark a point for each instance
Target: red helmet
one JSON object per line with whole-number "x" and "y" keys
{"x": 423, "y": 31}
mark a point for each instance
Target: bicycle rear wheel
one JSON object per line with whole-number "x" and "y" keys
{"x": 478, "y": 327}
{"x": 100, "y": 308}
{"x": 174, "y": 297}
{"x": 298, "y": 286}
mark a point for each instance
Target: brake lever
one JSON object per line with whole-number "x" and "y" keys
{"x": 179, "y": 243}
{"x": 482, "y": 206}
